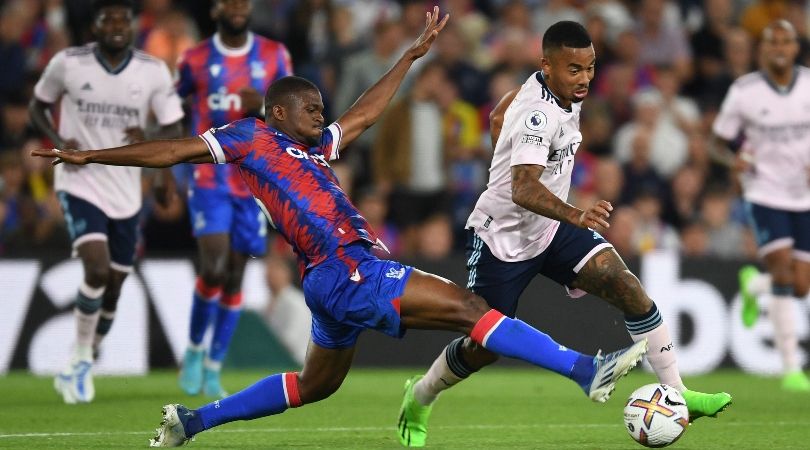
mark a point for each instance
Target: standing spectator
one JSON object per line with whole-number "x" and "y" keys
{"x": 662, "y": 42}
{"x": 409, "y": 156}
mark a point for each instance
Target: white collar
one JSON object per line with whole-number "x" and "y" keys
{"x": 229, "y": 51}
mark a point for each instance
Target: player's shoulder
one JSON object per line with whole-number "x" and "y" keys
{"x": 144, "y": 58}
{"x": 77, "y": 51}
{"x": 749, "y": 80}
{"x": 198, "y": 52}
{"x": 267, "y": 42}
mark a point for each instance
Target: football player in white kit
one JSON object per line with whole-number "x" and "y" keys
{"x": 770, "y": 108}
{"x": 522, "y": 227}
{"x": 106, "y": 90}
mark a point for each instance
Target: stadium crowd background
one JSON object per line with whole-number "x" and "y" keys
{"x": 663, "y": 68}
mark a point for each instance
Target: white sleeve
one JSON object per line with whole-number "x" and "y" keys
{"x": 51, "y": 84}
{"x": 165, "y": 102}
{"x": 214, "y": 147}
{"x": 530, "y": 131}
{"x": 729, "y": 120}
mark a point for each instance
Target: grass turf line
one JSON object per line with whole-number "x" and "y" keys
{"x": 499, "y": 408}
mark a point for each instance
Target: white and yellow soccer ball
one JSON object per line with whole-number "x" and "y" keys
{"x": 656, "y": 415}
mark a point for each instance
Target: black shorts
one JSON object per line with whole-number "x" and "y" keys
{"x": 501, "y": 283}
{"x": 86, "y": 222}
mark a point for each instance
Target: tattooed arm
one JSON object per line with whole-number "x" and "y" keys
{"x": 528, "y": 192}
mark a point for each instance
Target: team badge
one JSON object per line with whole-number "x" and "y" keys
{"x": 536, "y": 120}
{"x": 257, "y": 70}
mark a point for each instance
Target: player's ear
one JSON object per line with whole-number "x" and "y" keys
{"x": 545, "y": 65}
{"x": 215, "y": 9}
{"x": 279, "y": 112}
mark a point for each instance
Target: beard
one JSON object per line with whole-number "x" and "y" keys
{"x": 230, "y": 28}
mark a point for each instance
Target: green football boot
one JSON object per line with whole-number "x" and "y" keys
{"x": 750, "y": 307}
{"x": 705, "y": 405}
{"x": 413, "y": 418}
{"x": 796, "y": 382}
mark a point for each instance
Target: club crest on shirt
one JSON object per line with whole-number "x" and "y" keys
{"x": 257, "y": 70}
{"x": 536, "y": 120}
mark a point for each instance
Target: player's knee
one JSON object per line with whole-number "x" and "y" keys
{"x": 471, "y": 308}
{"x": 97, "y": 275}
{"x": 630, "y": 293}
{"x": 212, "y": 275}
{"x": 315, "y": 391}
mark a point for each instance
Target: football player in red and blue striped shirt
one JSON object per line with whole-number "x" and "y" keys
{"x": 222, "y": 78}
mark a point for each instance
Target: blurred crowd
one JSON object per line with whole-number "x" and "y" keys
{"x": 663, "y": 68}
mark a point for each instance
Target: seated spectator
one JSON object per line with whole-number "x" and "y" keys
{"x": 651, "y": 233}
{"x": 695, "y": 239}
{"x": 725, "y": 237}
{"x": 639, "y": 175}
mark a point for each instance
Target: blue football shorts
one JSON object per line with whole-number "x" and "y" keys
{"x": 777, "y": 228}
{"x": 501, "y": 283}
{"x": 353, "y": 291}
{"x": 214, "y": 211}
{"x": 86, "y": 222}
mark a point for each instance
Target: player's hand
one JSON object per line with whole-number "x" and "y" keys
{"x": 165, "y": 192}
{"x": 63, "y": 156}
{"x": 596, "y": 216}
{"x": 743, "y": 162}
{"x": 134, "y": 135}
{"x": 252, "y": 100}
{"x": 432, "y": 28}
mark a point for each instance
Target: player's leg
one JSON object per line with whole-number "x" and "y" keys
{"x": 87, "y": 226}
{"x": 432, "y": 302}
{"x": 122, "y": 242}
{"x": 605, "y": 275}
{"x": 323, "y": 373}
{"x": 225, "y": 321}
{"x": 211, "y": 217}
{"x": 779, "y": 235}
{"x": 783, "y": 318}
{"x": 500, "y": 284}
{"x": 247, "y": 238}
{"x": 109, "y": 304}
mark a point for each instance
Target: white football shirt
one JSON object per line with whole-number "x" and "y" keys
{"x": 776, "y": 127}
{"x": 536, "y": 131}
{"x": 97, "y": 104}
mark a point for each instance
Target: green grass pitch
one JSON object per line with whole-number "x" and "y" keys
{"x": 499, "y": 408}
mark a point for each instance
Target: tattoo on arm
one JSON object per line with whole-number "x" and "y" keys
{"x": 530, "y": 193}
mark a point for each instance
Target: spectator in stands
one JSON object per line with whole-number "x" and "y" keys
{"x": 409, "y": 156}
{"x": 662, "y": 41}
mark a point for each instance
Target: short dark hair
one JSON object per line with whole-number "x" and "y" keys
{"x": 283, "y": 90}
{"x": 99, "y": 5}
{"x": 566, "y": 33}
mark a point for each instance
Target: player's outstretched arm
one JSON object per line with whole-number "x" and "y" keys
{"x": 162, "y": 153}
{"x": 497, "y": 114}
{"x": 368, "y": 108}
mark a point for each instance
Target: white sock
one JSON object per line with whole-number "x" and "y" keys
{"x": 781, "y": 309}
{"x": 89, "y": 299}
{"x": 661, "y": 356}
{"x": 760, "y": 285}
{"x": 438, "y": 378}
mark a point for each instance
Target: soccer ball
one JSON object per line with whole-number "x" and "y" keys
{"x": 655, "y": 415}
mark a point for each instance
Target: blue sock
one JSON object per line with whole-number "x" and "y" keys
{"x": 516, "y": 339}
{"x": 264, "y": 398}
{"x": 203, "y": 308}
{"x": 224, "y": 326}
